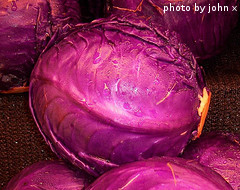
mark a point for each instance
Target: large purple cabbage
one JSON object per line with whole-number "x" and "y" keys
{"x": 26, "y": 26}
{"x": 115, "y": 91}
{"x": 219, "y": 151}
{"x": 50, "y": 175}
{"x": 204, "y": 32}
{"x": 161, "y": 173}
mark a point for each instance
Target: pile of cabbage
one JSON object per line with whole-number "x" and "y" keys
{"x": 120, "y": 97}
{"x": 154, "y": 173}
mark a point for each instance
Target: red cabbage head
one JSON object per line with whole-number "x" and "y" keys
{"x": 50, "y": 175}
{"x": 161, "y": 173}
{"x": 26, "y": 26}
{"x": 116, "y": 91}
{"x": 204, "y": 25}
{"x": 219, "y": 151}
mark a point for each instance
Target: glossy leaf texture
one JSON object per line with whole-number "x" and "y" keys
{"x": 219, "y": 151}
{"x": 116, "y": 91}
{"x": 161, "y": 173}
{"x": 50, "y": 175}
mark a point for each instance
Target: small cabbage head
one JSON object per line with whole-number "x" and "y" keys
{"x": 219, "y": 151}
{"x": 50, "y": 175}
{"x": 26, "y": 26}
